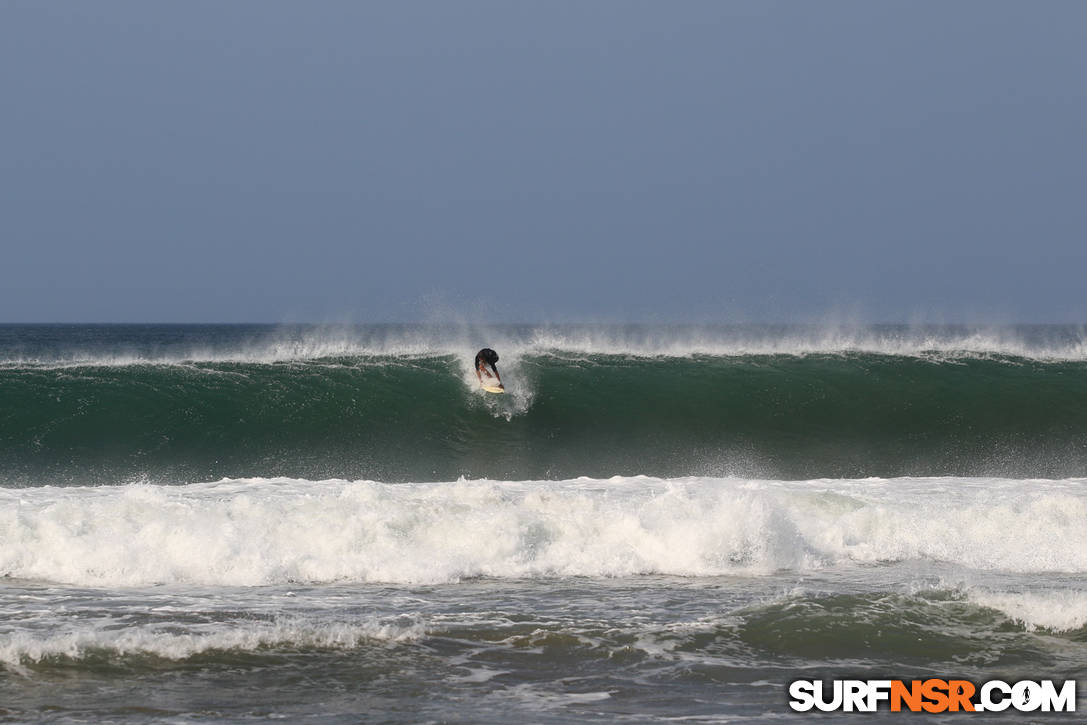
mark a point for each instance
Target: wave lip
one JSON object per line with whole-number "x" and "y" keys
{"x": 125, "y": 345}
{"x": 250, "y": 532}
{"x": 1051, "y": 610}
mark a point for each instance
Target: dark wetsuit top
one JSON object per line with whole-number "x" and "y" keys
{"x": 487, "y": 356}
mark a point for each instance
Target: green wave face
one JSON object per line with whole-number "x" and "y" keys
{"x": 422, "y": 418}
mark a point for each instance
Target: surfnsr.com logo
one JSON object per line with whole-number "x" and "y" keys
{"x": 932, "y": 695}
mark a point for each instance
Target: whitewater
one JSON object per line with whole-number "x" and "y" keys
{"x": 229, "y": 523}
{"x": 255, "y": 532}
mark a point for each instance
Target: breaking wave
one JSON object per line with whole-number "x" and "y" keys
{"x": 278, "y": 531}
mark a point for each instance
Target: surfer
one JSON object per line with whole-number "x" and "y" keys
{"x": 486, "y": 357}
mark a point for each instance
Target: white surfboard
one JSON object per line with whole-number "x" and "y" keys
{"x": 493, "y": 388}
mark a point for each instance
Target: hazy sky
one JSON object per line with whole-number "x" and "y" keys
{"x": 543, "y": 161}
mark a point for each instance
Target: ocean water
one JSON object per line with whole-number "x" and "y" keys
{"x": 333, "y": 524}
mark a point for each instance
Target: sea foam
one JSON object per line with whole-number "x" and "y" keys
{"x": 271, "y": 531}
{"x": 166, "y": 642}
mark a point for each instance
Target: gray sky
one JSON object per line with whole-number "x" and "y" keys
{"x": 543, "y": 161}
